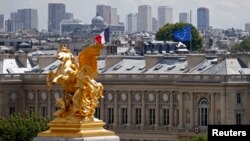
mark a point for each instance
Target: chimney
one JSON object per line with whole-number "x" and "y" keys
{"x": 111, "y": 60}
{"x": 151, "y": 60}
{"x": 195, "y": 59}
{"x": 44, "y": 61}
{"x": 22, "y": 59}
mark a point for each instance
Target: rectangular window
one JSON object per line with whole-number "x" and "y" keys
{"x": 110, "y": 115}
{"x": 238, "y": 98}
{"x": 12, "y": 110}
{"x": 124, "y": 115}
{"x": 151, "y": 116}
{"x": 238, "y": 119}
{"x": 165, "y": 116}
{"x": 12, "y": 44}
{"x": 138, "y": 116}
{"x": 44, "y": 111}
{"x": 98, "y": 113}
{"x": 31, "y": 110}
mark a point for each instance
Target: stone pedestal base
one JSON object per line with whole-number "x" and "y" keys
{"x": 100, "y": 138}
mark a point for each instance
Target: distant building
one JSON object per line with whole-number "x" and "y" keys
{"x": 131, "y": 23}
{"x": 71, "y": 28}
{"x": 184, "y": 17}
{"x": 56, "y": 13}
{"x": 154, "y": 24}
{"x": 144, "y": 18}
{"x": 202, "y": 18}
{"x": 114, "y": 18}
{"x": 165, "y": 15}
{"x": 98, "y": 25}
{"x": 105, "y": 12}
{"x": 247, "y": 27}
{"x": 29, "y": 18}
{"x": 13, "y": 25}
{"x": 1, "y": 21}
{"x": 119, "y": 28}
{"x": 14, "y": 16}
{"x": 69, "y": 16}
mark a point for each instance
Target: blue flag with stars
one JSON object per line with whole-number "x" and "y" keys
{"x": 183, "y": 34}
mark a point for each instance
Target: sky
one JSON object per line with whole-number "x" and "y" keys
{"x": 223, "y": 13}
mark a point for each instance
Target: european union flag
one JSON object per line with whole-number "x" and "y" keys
{"x": 183, "y": 34}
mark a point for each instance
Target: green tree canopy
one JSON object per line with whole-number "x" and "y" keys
{"x": 166, "y": 33}
{"x": 22, "y": 128}
{"x": 243, "y": 46}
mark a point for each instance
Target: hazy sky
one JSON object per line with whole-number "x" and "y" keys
{"x": 223, "y": 13}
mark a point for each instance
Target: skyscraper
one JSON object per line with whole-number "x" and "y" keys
{"x": 105, "y": 12}
{"x": 69, "y": 16}
{"x": 184, "y": 17}
{"x": 131, "y": 23}
{"x": 114, "y": 17}
{"x": 202, "y": 18}
{"x": 29, "y": 18}
{"x": 1, "y": 21}
{"x": 144, "y": 18}
{"x": 56, "y": 13}
{"x": 165, "y": 15}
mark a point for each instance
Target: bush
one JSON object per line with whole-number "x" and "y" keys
{"x": 200, "y": 137}
{"x": 22, "y": 128}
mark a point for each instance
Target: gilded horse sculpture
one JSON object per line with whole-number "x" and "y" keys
{"x": 81, "y": 91}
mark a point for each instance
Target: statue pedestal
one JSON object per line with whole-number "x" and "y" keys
{"x": 73, "y": 129}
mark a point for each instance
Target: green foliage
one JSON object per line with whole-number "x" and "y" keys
{"x": 22, "y": 128}
{"x": 166, "y": 34}
{"x": 243, "y": 46}
{"x": 200, "y": 137}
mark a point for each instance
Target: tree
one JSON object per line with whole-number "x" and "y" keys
{"x": 22, "y": 128}
{"x": 243, "y": 46}
{"x": 200, "y": 137}
{"x": 166, "y": 33}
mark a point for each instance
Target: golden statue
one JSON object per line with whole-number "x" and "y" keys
{"x": 81, "y": 95}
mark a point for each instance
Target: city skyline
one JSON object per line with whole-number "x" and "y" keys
{"x": 223, "y": 13}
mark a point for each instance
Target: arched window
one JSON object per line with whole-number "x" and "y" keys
{"x": 203, "y": 112}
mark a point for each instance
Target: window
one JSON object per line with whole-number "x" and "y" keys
{"x": 203, "y": 112}
{"x": 98, "y": 113}
{"x": 238, "y": 98}
{"x": 138, "y": 116}
{"x": 31, "y": 110}
{"x": 165, "y": 116}
{"x": 12, "y": 44}
{"x": 238, "y": 119}
{"x": 124, "y": 115}
{"x": 151, "y": 116}
{"x": 44, "y": 111}
{"x": 12, "y": 110}
{"x": 110, "y": 115}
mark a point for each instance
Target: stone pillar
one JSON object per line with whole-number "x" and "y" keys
{"x": 212, "y": 109}
{"x": 180, "y": 109}
{"x": 223, "y": 114}
{"x": 116, "y": 118}
{"x": 143, "y": 110}
{"x": 49, "y": 103}
{"x": 36, "y": 94}
{"x": 129, "y": 109}
{"x": 102, "y": 109}
{"x": 171, "y": 111}
{"x": 191, "y": 109}
{"x": 157, "y": 112}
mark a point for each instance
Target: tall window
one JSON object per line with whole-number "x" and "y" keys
{"x": 203, "y": 112}
{"x": 151, "y": 116}
{"x": 98, "y": 113}
{"x": 238, "y": 98}
{"x": 165, "y": 116}
{"x": 12, "y": 110}
{"x": 110, "y": 115}
{"x": 44, "y": 111}
{"x": 138, "y": 116}
{"x": 124, "y": 115}
{"x": 238, "y": 119}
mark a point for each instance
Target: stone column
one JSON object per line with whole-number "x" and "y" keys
{"x": 143, "y": 109}
{"x": 180, "y": 109}
{"x": 171, "y": 111}
{"x": 36, "y": 94}
{"x": 102, "y": 110}
{"x": 212, "y": 109}
{"x": 191, "y": 109}
{"x": 129, "y": 109}
{"x": 223, "y": 114}
{"x": 49, "y": 103}
{"x": 116, "y": 118}
{"x": 157, "y": 112}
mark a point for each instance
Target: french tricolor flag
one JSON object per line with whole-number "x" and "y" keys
{"x": 103, "y": 37}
